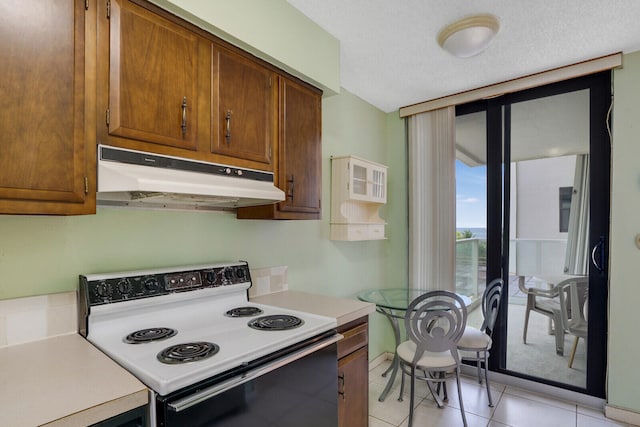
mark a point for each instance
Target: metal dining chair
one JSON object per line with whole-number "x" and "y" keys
{"x": 434, "y": 323}
{"x": 476, "y": 343}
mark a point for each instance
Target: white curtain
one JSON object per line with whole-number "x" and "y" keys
{"x": 432, "y": 192}
{"x": 576, "y": 258}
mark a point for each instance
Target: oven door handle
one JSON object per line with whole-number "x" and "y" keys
{"x": 201, "y": 396}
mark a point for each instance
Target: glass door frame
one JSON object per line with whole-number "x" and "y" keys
{"x": 498, "y": 128}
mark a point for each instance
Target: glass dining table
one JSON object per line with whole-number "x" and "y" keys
{"x": 393, "y": 303}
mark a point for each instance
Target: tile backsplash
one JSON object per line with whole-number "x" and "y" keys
{"x": 34, "y": 318}
{"x": 268, "y": 280}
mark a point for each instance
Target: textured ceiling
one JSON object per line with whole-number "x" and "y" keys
{"x": 390, "y": 58}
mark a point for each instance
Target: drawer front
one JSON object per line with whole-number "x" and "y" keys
{"x": 354, "y": 339}
{"x": 376, "y": 231}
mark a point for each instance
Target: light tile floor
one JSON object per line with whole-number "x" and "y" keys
{"x": 512, "y": 407}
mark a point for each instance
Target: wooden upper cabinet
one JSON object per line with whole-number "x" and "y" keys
{"x": 300, "y": 148}
{"x": 47, "y": 119}
{"x": 298, "y": 171}
{"x": 243, "y": 109}
{"x": 153, "y": 77}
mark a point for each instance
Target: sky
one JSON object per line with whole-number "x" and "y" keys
{"x": 471, "y": 196}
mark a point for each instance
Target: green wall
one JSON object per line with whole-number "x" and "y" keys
{"x": 624, "y": 256}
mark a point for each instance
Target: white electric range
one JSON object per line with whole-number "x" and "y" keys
{"x": 192, "y": 336}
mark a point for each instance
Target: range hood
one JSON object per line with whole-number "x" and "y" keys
{"x": 140, "y": 179}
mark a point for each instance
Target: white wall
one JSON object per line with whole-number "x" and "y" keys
{"x": 537, "y": 196}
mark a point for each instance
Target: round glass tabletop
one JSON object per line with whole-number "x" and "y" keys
{"x": 396, "y": 298}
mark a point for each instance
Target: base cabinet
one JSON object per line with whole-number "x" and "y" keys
{"x": 353, "y": 375}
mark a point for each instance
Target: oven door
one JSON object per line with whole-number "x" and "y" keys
{"x": 292, "y": 388}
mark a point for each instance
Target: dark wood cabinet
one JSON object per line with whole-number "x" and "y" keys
{"x": 298, "y": 171}
{"x": 243, "y": 111}
{"x": 153, "y": 85}
{"x": 353, "y": 375}
{"x": 47, "y": 150}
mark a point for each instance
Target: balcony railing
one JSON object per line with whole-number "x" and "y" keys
{"x": 527, "y": 257}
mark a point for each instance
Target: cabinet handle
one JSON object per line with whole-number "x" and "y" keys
{"x": 227, "y": 134}
{"x": 184, "y": 116}
{"x": 341, "y": 386}
{"x": 291, "y": 182}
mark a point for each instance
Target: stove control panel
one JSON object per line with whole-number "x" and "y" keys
{"x": 111, "y": 288}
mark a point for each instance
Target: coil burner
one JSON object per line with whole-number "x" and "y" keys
{"x": 276, "y": 322}
{"x": 243, "y": 312}
{"x": 188, "y": 352}
{"x": 150, "y": 334}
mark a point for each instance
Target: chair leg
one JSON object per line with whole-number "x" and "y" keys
{"x": 464, "y": 417}
{"x": 478, "y": 367}
{"x": 526, "y": 318}
{"x": 400, "y": 399}
{"x": 486, "y": 377}
{"x": 573, "y": 351}
{"x": 434, "y": 393}
{"x": 413, "y": 389}
{"x": 559, "y": 332}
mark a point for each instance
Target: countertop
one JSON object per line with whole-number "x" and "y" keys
{"x": 342, "y": 309}
{"x": 63, "y": 381}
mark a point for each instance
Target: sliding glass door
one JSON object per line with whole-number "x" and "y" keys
{"x": 545, "y": 155}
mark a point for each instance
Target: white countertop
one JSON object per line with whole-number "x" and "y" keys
{"x": 342, "y": 309}
{"x": 63, "y": 381}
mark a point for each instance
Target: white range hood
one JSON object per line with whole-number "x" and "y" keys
{"x": 140, "y": 179}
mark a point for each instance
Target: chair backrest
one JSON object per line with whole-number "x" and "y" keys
{"x": 491, "y": 298}
{"x": 435, "y": 321}
{"x": 573, "y": 297}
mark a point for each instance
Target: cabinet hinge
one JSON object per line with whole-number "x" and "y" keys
{"x": 108, "y": 116}
{"x": 270, "y": 148}
{"x": 270, "y": 81}
{"x": 86, "y": 4}
{"x": 108, "y": 9}
{"x": 86, "y": 185}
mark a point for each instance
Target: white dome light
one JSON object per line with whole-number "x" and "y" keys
{"x": 469, "y": 36}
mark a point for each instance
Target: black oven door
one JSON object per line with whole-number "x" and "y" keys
{"x": 292, "y": 388}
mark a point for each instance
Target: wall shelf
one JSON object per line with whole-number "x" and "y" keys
{"x": 358, "y": 190}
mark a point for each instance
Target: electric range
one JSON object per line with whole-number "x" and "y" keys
{"x": 191, "y": 334}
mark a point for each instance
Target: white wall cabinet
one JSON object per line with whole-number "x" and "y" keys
{"x": 358, "y": 190}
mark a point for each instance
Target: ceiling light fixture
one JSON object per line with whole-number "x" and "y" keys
{"x": 469, "y": 36}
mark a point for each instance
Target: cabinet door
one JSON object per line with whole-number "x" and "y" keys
{"x": 353, "y": 386}
{"x": 153, "y": 78}
{"x": 368, "y": 181}
{"x": 243, "y": 111}
{"x": 300, "y": 149}
{"x": 46, "y": 147}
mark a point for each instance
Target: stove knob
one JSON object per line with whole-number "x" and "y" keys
{"x": 240, "y": 273}
{"x": 228, "y": 273}
{"x": 151, "y": 284}
{"x": 102, "y": 289}
{"x": 124, "y": 286}
{"x": 211, "y": 277}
